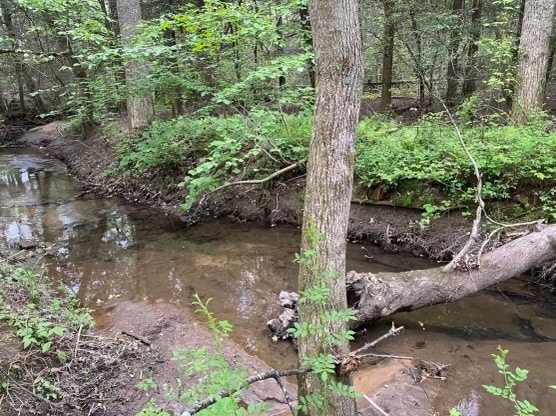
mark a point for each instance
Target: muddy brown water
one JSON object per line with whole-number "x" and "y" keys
{"x": 108, "y": 251}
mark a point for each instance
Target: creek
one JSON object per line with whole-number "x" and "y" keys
{"x": 108, "y": 251}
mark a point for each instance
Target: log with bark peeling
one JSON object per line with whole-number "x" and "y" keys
{"x": 378, "y": 295}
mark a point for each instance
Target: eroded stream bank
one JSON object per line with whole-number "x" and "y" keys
{"x": 118, "y": 257}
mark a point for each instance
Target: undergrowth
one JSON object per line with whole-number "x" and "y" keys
{"x": 217, "y": 149}
{"x": 49, "y": 363}
{"x": 422, "y": 165}
{"x": 517, "y": 163}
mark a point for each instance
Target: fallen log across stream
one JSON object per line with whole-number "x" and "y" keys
{"x": 377, "y": 295}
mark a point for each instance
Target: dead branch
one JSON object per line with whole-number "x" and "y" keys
{"x": 395, "y": 357}
{"x": 393, "y": 331}
{"x": 473, "y": 237}
{"x": 250, "y": 380}
{"x": 137, "y": 337}
{"x": 260, "y": 181}
{"x": 481, "y": 210}
{"x": 376, "y": 406}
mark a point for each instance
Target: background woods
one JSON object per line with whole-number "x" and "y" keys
{"x": 70, "y": 59}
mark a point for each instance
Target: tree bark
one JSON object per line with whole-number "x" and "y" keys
{"x": 534, "y": 52}
{"x": 387, "y": 56}
{"x": 339, "y": 80}
{"x": 382, "y": 294}
{"x": 139, "y": 105}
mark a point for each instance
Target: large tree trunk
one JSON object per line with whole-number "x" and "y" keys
{"x": 339, "y": 80}
{"x": 534, "y": 52}
{"x": 377, "y": 295}
{"x": 139, "y": 105}
{"x": 382, "y": 294}
{"x": 387, "y": 56}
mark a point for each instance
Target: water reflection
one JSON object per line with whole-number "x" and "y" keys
{"x": 36, "y": 200}
{"x": 120, "y": 232}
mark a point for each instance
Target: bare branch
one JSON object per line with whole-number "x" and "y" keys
{"x": 259, "y": 181}
{"x": 376, "y": 406}
{"x": 393, "y": 331}
{"x": 250, "y": 380}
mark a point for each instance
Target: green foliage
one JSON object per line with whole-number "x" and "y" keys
{"x": 511, "y": 379}
{"x": 220, "y": 148}
{"x": 509, "y": 158}
{"x": 152, "y": 410}
{"x": 209, "y": 374}
{"x": 147, "y": 384}
{"x": 210, "y": 62}
{"x": 323, "y": 364}
{"x": 497, "y": 48}
{"x": 37, "y": 316}
{"x": 48, "y": 388}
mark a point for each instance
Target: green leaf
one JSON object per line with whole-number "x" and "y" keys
{"x": 27, "y": 341}
{"x": 58, "y": 330}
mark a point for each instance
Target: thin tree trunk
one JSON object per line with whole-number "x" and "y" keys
{"x": 20, "y": 86}
{"x": 534, "y": 52}
{"x": 173, "y": 64}
{"x": 119, "y": 70}
{"x": 510, "y": 91}
{"x": 139, "y": 104}
{"x": 306, "y": 34}
{"x": 550, "y": 58}
{"x": 453, "y": 70}
{"x": 470, "y": 82}
{"x": 418, "y": 58}
{"x": 339, "y": 66}
{"x": 279, "y": 30}
{"x": 387, "y": 56}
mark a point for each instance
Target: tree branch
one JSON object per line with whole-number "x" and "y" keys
{"x": 393, "y": 331}
{"x": 275, "y": 374}
{"x": 259, "y": 181}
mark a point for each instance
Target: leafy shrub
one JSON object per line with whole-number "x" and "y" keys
{"x": 509, "y": 158}
{"x": 216, "y": 148}
{"x": 207, "y": 375}
{"x": 511, "y": 379}
{"x": 30, "y": 306}
{"x": 165, "y": 144}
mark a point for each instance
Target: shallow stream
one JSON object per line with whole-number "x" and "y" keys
{"x": 108, "y": 251}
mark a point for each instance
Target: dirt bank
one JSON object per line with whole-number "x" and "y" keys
{"x": 168, "y": 329}
{"x": 92, "y": 160}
